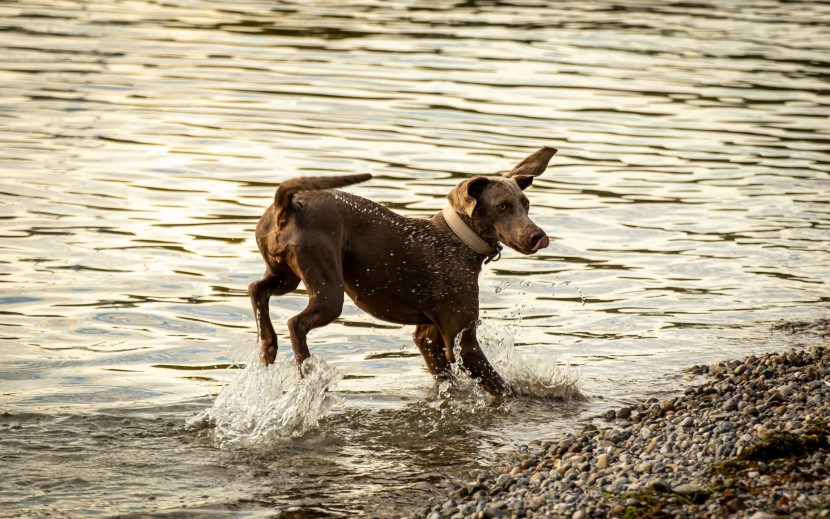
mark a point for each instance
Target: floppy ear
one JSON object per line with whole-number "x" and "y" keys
{"x": 464, "y": 196}
{"x": 534, "y": 165}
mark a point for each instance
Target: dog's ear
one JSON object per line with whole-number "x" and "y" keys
{"x": 464, "y": 196}
{"x": 524, "y": 181}
{"x": 534, "y": 165}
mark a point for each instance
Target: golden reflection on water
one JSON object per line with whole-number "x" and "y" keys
{"x": 140, "y": 141}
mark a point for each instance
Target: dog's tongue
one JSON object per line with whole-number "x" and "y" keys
{"x": 541, "y": 244}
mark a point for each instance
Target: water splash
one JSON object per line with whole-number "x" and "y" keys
{"x": 454, "y": 405}
{"x": 569, "y": 283}
{"x": 526, "y": 374}
{"x": 268, "y": 403}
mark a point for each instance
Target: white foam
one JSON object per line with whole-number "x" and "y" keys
{"x": 267, "y": 403}
{"x": 526, "y": 374}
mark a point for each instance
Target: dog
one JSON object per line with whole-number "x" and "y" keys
{"x": 411, "y": 271}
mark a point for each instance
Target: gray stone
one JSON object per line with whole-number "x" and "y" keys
{"x": 490, "y": 512}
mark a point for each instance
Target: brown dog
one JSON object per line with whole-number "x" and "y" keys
{"x": 404, "y": 270}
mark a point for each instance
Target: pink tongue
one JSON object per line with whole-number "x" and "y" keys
{"x": 541, "y": 244}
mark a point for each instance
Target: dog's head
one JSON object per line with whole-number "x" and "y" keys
{"x": 497, "y": 207}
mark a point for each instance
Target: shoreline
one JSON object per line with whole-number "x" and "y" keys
{"x": 750, "y": 441}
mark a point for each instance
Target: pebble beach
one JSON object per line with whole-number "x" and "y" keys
{"x": 750, "y": 441}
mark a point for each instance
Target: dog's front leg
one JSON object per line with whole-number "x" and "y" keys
{"x": 477, "y": 366}
{"x": 429, "y": 340}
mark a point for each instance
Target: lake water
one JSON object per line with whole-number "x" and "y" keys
{"x": 688, "y": 207}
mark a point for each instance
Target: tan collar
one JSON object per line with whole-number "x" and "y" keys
{"x": 467, "y": 235}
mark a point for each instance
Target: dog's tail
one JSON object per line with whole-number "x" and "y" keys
{"x": 290, "y": 187}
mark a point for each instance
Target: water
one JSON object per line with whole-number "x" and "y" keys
{"x": 140, "y": 141}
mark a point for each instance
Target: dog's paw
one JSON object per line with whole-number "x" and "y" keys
{"x": 268, "y": 351}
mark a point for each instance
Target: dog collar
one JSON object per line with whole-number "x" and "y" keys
{"x": 469, "y": 237}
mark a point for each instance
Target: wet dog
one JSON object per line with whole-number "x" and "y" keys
{"x": 422, "y": 272}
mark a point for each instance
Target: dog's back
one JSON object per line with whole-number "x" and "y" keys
{"x": 385, "y": 259}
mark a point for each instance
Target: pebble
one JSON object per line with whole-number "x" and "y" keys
{"x": 641, "y": 458}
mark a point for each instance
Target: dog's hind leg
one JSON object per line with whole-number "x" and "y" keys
{"x": 272, "y": 283}
{"x": 324, "y": 282}
{"x": 429, "y": 340}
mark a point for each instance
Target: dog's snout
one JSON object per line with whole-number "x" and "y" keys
{"x": 539, "y": 240}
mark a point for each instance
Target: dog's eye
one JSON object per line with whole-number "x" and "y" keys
{"x": 503, "y": 207}
{"x": 526, "y": 204}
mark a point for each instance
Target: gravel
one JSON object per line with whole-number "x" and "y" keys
{"x": 750, "y": 442}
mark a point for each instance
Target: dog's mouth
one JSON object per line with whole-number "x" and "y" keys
{"x": 540, "y": 244}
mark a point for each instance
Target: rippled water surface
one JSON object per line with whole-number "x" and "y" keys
{"x": 140, "y": 141}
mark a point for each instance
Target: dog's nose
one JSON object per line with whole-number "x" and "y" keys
{"x": 539, "y": 240}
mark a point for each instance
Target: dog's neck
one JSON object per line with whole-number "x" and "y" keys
{"x": 468, "y": 236}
